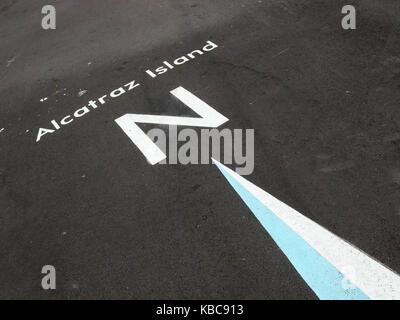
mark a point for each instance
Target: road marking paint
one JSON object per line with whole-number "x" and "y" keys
{"x": 9, "y": 62}
{"x": 208, "y": 47}
{"x": 166, "y": 66}
{"x": 314, "y": 251}
{"x": 209, "y": 117}
{"x": 282, "y": 52}
{"x": 81, "y": 112}
{"x": 82, "y": 92}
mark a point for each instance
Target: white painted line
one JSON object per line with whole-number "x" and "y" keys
{"x": 282, "y": 52}
{"x": 82, "y": 92}
{"x": 9, "y": 62}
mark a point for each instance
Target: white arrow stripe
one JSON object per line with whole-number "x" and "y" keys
{"x": 372, "y": 277}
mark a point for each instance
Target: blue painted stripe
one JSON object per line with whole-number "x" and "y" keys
{"x": 320, "y": 275}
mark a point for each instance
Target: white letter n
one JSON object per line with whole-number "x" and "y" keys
{"x": 209, "y": 117}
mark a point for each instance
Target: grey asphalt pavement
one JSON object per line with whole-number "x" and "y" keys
{"x": 323, "y": 101}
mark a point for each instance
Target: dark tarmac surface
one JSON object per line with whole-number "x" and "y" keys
{"x": 324, "y": 103}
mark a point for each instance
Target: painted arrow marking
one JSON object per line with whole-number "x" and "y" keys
{"x": 333, "y": 268}
{"x": 209, "y": 117}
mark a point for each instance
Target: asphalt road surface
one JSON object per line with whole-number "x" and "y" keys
{"x": 323, "y": 101}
